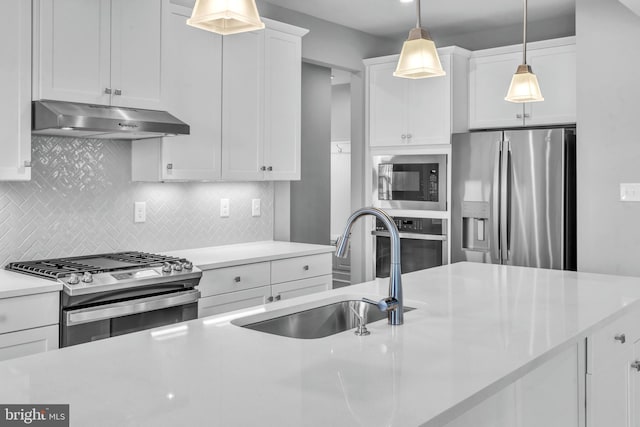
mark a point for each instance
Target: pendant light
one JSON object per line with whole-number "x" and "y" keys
{"x": 419, "y": 57}
{"x": 524, "y": 84}
{"x": 226, "y": 16}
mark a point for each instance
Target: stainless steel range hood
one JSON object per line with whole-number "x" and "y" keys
{"x": 102, "y": 121}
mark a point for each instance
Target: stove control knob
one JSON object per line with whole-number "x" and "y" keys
{"x": 187, "y": 265}
{"x": 177, "y": 267}
{"x": 73, "y": 279}
{"x": 166, "y": 268}
{"x": 87, "y": 277}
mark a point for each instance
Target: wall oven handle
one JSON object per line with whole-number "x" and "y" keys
{"x": 126, "y": 308}
{"x": 495, "y": 208}
{"x": 415, "y": 236}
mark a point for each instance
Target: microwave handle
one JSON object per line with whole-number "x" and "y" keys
{"x": 126, "y": 308}
{"x": 415, "y": 236}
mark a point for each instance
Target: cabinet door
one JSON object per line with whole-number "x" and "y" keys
{"x": 429, "y": 108}
{"x": 242, "y": 115}
{"x": 489, "y": 78}
{"x": 233, "y": 301}
{"x": 192, "y": 86}
{"x": 72, "y": 50}
{"x": 29, "y": 341}
{"x": 15, "y": 84}
{"x": 301, "y": 287}
{"x": 282, "y": 105}
{"x": 387, "y": 106}
{"x": 136, "y": 37}
{"x": 556, "y": 72}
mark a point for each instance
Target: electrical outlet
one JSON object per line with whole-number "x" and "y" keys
{"x": 630, "y": 192}
{"x": 224, "y": 208}
{"x": 255, "y": 207}
{"x": 140, "y": 212}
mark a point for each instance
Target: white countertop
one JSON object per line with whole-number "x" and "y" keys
{"x": 507, "y": 320}
{"x": 16, "y": 285}
{"x": 244, "y": 253}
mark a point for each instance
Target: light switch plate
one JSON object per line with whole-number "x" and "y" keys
{"x": 224, "y": 208}
{"x": 630, "y": 192}
{"x": 140, "y": 212}
{"x": 255, "y": 207}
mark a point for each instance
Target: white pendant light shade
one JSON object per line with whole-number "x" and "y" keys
{"x": 226, "y": 16}
{"x": 524, "y": 86}
{"x": 419, "y": 57}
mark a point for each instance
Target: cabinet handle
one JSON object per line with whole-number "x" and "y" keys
{"x": 403, "y": 136}
{"x": 409, "y": 136}
{"x": 279, "y": 297}
{"x": 270, "y": 168}
{"x": 117, "y": 92}
{"x": 518, "y": 116}
{"x": 269, "y": 299}
{"x": 305, "y": 268}
{"x": 27, "y": 163}
{"x": 169, "y": 166}
{"x": 636, "y": 365}
{"x": 263, "y": 168}
{"x": 527, "y": 115}
{"x": 236, "y": 279}
{"x": 107, "y": 90}
{"x": 620, "y": 337}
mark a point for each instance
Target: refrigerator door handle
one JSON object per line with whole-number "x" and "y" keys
{"x": 505, "y": 200}
{"x": 495, "y": 209}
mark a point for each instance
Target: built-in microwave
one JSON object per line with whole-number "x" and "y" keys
{"x": 410, "y": 182}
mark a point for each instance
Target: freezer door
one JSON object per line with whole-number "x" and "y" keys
{"x": 475, "y": 193}
{"x": 534, "y": 198}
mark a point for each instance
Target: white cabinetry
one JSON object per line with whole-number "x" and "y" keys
{"x": 192, "y": 90}
{"x": 613, "y": 374}
{"x": 98, "y": 51}
{"x": 232, "y": 288}
{"x": 417, "y": 112}
{"x": 261, "y": 104}
{"x": 15, "y": 86}
{"x": 490, "y": 71}
{"x": 28, "y": 324}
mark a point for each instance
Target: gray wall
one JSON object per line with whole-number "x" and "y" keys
{"x": 80, "y": 201}
{"x": 311, "y": 196}
{"x": 608, "y": 142}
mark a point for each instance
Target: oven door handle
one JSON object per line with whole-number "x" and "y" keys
{"x": 126, "y": 308}
{"x": 415, "y": 236}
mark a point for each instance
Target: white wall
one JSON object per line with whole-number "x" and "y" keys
{"x": 608, "y": 148}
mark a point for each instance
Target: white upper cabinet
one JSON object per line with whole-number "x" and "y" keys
{"x": 553, "y": 62}
{"x": 420, "y": 111}
{"x": 261, "y": 93}
{"x": 98, "y": 51}
{"x": 15, "y": 86}
{"x": 192, "y": 89}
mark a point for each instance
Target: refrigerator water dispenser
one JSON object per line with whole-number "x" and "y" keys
{"x": 475, "y": 226}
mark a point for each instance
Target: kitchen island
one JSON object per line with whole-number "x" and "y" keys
{"x": 476, "y": 331}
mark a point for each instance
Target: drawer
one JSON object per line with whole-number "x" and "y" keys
{"x": 604, "y": 348}
{"x": 29, "y": 311}
{"x": 237, "y": 278}
{"x": 217, "y": 304}
{"x": 30, "y": 341}
{"x": 298, "y": 288}
{"x": 286, "y": 270}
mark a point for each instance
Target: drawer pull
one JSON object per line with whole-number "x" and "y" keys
{"x": 305, "y": 268}
{"x": 279, "y": 297}
{"x": 269, "y": 299}
{"x": 620, "y": 337}
{"x": 636, "y": 365}
{"x": 236, "y": 279}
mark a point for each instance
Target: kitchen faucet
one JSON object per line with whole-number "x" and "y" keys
{"x": 393, "y": 303}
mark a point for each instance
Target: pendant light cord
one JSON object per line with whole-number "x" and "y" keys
{"x": 418, "y": 23}
{"x": 524, "y": 35}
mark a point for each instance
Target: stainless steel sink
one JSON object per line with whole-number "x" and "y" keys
{"x": 319, "y": 322}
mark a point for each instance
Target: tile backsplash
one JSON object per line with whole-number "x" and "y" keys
{"x": 80, "y": 200}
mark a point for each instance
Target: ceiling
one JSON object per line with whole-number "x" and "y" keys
{"x": 389, "y": 18}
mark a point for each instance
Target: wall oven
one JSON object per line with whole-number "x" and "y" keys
{"x": 410, "y": 182}
{"x": 423, "y": 244}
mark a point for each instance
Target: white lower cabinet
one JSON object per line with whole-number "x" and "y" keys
{"x": 28, "y": 324}
{"x": 233, "y": 288}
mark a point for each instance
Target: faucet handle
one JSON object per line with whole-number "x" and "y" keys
{"x": 385, "y": 304}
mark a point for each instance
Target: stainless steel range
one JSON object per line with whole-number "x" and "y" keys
{"x": 113, "y": 294}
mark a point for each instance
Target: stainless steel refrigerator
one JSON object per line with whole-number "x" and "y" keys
{"x": 513, "y": 197}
